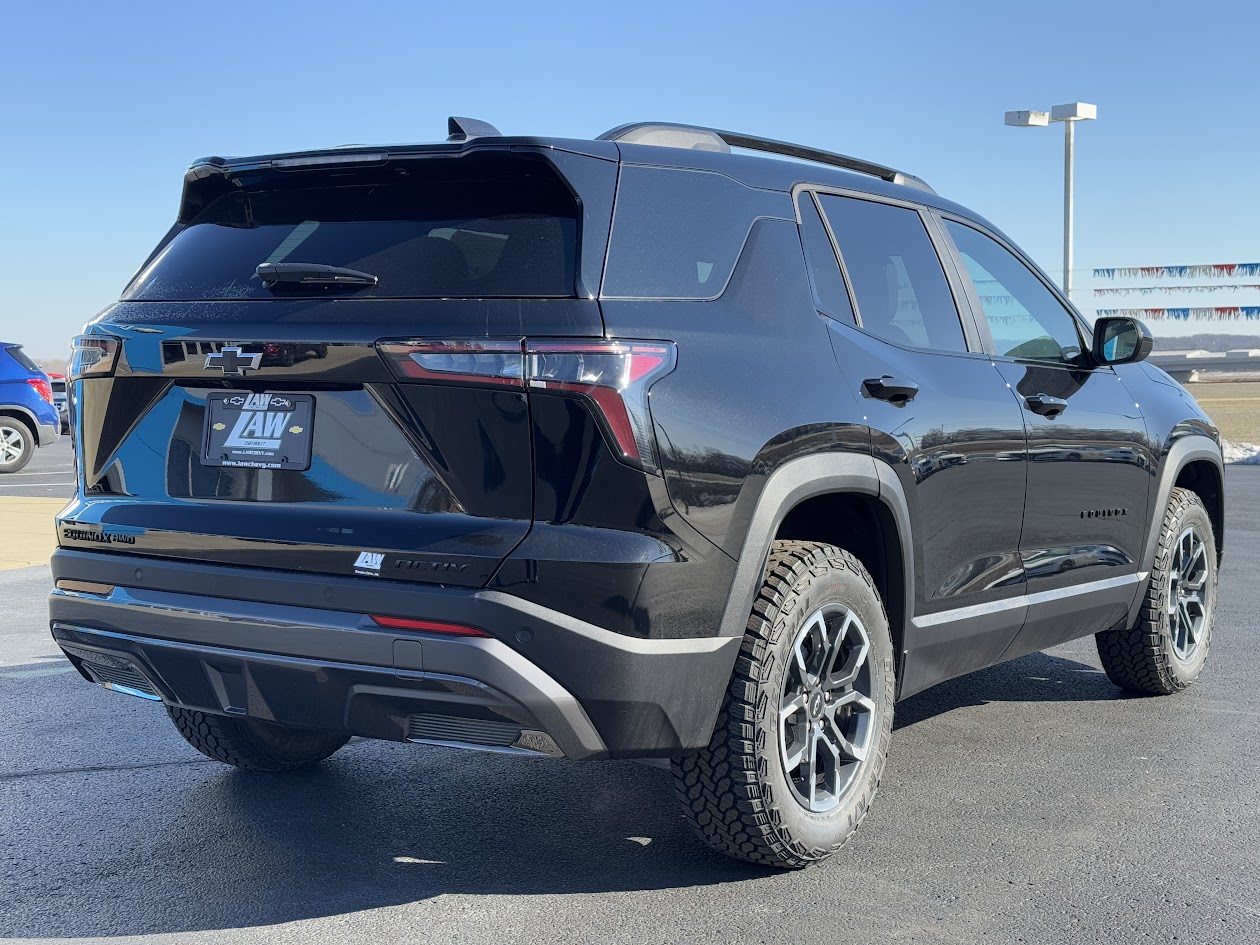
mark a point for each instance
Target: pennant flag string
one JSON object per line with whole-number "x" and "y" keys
{"x": 1211, "y": 271}
{"x": 1148, "y": 289}
{"x": 1216, "y": 314}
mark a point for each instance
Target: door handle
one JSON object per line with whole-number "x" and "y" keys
{"x": 896, "y": 390}
{"x": 1044, "y": 404}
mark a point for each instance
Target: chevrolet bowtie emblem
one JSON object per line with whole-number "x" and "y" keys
{"x": 233, "y": 362}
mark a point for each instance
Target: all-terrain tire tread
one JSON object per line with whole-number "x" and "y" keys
{"x": 1138, "y": 658}
{"x": 720, "y": 787}
{"x": 232, "y": 742}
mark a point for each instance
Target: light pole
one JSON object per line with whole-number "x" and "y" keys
{"x": 1069, "y": 114}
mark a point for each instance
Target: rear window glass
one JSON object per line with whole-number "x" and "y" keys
{"x": 678, "y": 233}
{"x": 456, "y": 228}
{"x": 20, "y": 357}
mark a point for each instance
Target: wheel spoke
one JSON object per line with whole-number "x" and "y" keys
{"x": 811, "y": 769}
{"x": 793, "y": 761}
{"x": 835, "y": 647}
{"x": 1185, "y": 624}
{"x": 791, "y": 705}
{"x": 1199, "y": 551}
{"x": 830, "y": 766}
{"x": 814, "y": 634}
{"x": 856, "y": 747}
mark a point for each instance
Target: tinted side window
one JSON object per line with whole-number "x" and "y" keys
{"x": 900, "y": 287}
{"x": 1024, "y": 317}
{"x": 677, "y": 233}
{"x": 830, "y": 293}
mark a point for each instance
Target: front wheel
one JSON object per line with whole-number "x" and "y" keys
{"x": 1166, "y": 648}
{"x": 801, "y": 740}
{"x": 249, "y": 743}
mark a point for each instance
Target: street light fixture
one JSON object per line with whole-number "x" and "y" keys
{"x": 1069, "y": 114}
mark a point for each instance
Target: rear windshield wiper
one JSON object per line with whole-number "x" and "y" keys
{"x": 296, "y": 273}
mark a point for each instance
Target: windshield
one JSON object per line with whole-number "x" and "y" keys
{"x": 455, "y": 229}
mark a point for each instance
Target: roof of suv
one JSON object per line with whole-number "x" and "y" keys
{"x": 773, "y": 165}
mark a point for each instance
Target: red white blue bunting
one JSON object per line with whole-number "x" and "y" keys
{"x": 1211, "y": 271}
{"x": 1148, "y": 289}
{"x": 1216, "y": 314}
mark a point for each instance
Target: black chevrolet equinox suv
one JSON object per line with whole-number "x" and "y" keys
{"x": 675, "y": 444}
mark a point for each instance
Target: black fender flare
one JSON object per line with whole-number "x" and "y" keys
{"x": 794, "y": 482}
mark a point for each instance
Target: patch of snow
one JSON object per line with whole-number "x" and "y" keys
{"x": 1246, "y": 454}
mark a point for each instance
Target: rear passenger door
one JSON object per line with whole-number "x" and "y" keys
{"x": 1089, "y": 459}
{"x": 939, "y": 414}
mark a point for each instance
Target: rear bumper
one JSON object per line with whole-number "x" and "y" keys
{"x": 49, "y": 433}
{"x": 542, "y": 683}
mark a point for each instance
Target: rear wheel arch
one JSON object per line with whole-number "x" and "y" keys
{"x": 24, "y": 418}
{"x": 849, "y": 500}
{"x": 866, "y": 527}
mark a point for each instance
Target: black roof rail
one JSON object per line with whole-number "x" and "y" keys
{"x": 673, "y": 135}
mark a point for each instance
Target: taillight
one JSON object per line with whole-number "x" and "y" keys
{"x": 428, "y": 626}
{"x": 477, "y": 362}
{"x": 93, "y": 356}
{"x": 42, "y": 387}
{"x": 613, "y": 376}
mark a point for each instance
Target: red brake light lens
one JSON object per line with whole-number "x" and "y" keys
{"x": 42, "y": 387}
{"x": 93, "y": 356}
{"x": 612, "y": 376}
{"x": 428, "y": 626}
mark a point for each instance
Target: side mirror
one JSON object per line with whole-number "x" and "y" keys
{"x": 1121, "y": 341}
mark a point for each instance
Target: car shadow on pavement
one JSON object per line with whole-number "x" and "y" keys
{"x": 181, "y": 844}
{"x": 1038, "y": 677}
{"x": 199, "y": 847}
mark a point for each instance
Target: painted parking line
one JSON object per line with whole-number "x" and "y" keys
{"x": 35, "y": 673}
{"x": 35, "y": 485}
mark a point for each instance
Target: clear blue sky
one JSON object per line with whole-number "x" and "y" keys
{"x": 102, "y": 106}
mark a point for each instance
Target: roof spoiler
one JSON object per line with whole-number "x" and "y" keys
{"x": 672, "y": 135}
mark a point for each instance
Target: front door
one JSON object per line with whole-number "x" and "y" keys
{"x": 1089, "y": 459}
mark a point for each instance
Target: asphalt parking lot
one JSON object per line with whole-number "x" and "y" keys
{"x": 1031, "y": 803}
{"x": 50, "y": 473}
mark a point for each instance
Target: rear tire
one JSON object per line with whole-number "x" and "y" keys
{"x": 255, "y": 745}
{"x": 17, "y": 445}
{"x": 1166, "y": 648}
{"x": 803, "y": 733}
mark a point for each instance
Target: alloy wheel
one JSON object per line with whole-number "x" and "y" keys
{"x": 826, "y": 712}
{"x": 12, "y": 446}
{"x": 1187, "y": 593}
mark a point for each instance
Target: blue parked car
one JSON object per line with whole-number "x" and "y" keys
{"x": 28, "y": 418}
